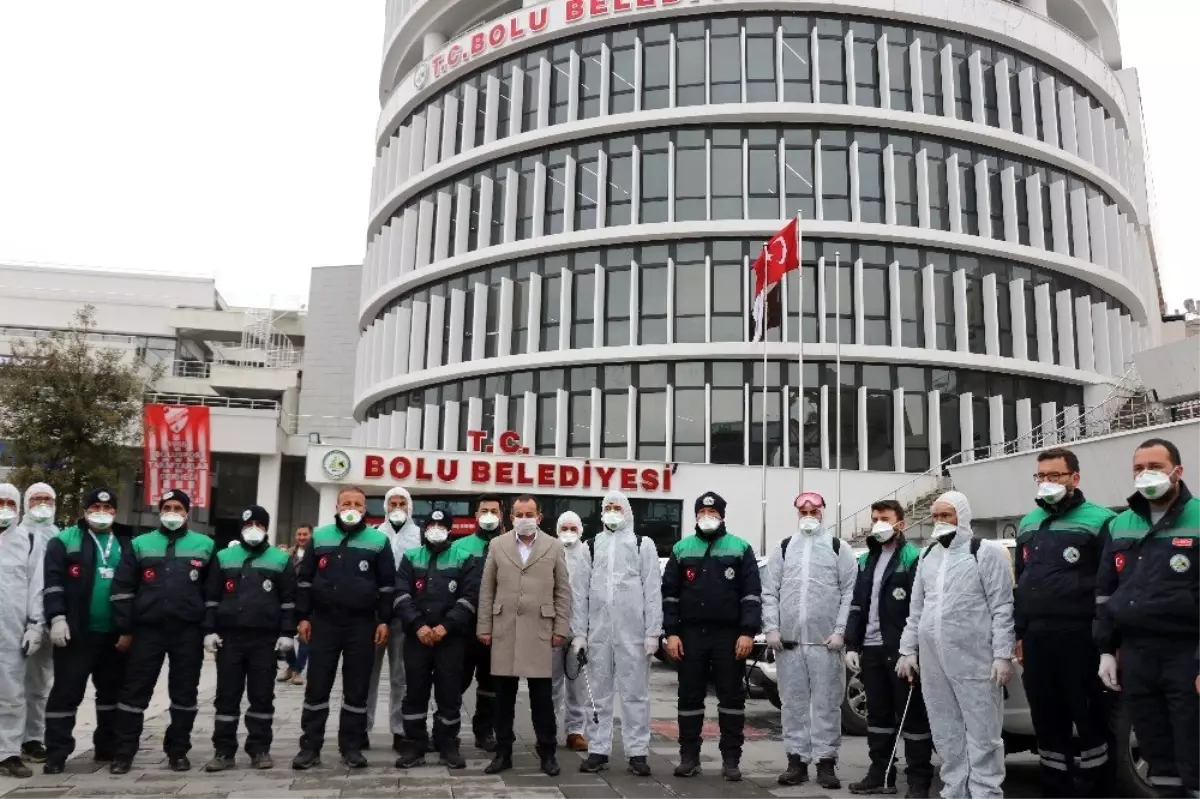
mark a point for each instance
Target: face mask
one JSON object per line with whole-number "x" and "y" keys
{"x": 525, "y": 527}
{"x": 944, "y": 533}
{"x": 42, "y": 513}
{"x": 707, "y": 524}
{"x": 436, "y": 535}
{"x": 808, "y": 524}
{"x": 6, "y": 516}
{"x": 397, "y": 517}
{"x": 1152, "y": 484}
{"x": 882, "y": 532}
{"x": 350, "y": 517}
{"x": 100, "y": 520}
{"x": 172, "y": 521}
{"x": 1051, "y": 493}
{"x": 568, "y": 537}
{"x": 254, "y": 535}
{"x": 489, "y": 521}
{"x": 612, "y": 519}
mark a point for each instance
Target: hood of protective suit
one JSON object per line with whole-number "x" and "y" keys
{"x": 626, "y": 510}
{"x": 962, "y": 507}
{"x": 46, "y": 528}
{"x": 571, "y": 516}
{"x": 409, "y": 535}
{"x": 9, "y": 491}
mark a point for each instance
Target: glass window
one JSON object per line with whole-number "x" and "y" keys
{"x": 866, "y": 67}
{"x": 881, "y": 448}
{"x": 831, "y": 51}
{"x": 520, "y": 318}
{"x": 587, "y": 186}
{"x": 904, "y": 165}
{"x": 728, "y": 424}
{"x": 835, "y": 176}
{"x": 931, "y": 72}
{"x": 760, "y": 60}
{"x": 967, "y": 192}
{"x": 579, "y": 424}
{"x": 556, "y": 191}
{"x": 656, "y": 67}
{"x": 560, "y": 82}
{"x": 728, "y": 272}
{"x": 689, "y": 422}
{"x": 849, "y": 415}
{"x": 899, "y": 73}
{"x": 615, "y": 410}
{"x": 616, "y": 305}
{"x": 525, "y": 196}
{"x": 773, "y": 426}
{"x": 764, "y": 174}
{"x": 589, "y": 76}
{"x": 939, "y": 196}
{"x": 532, "y": 95}
{"x": 652, "y": 297}
{"x": 690, "y": 63}
{"x": 870, "y": 177}
{"x": 912, "y": 315}
{"x": 839, "y": 284}
{"x": 798, "y": 173}
{"x": 727, "y": 174}
{"x": 551, "y": 313}
{"x": 991, "y": 104}
{"x": 691, "y": 175}
{"x": 621, "y": 87}
{"x": 876, "y": 302}
{"x": 961, "y": 70}
{"x": 725, "y": 62}
{"x": 651, "y": 422}
{"x": 996, "y": 196}
{"x": 583, "y": 292}
{"x": 690, "y": 283}
{"x": 797, "y": 72}
{"x": 655, "y": 177}
{"x": 916, "y": 432}
{"x": 620, "y": 181}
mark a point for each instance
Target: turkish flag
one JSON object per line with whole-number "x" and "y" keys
{"x": 780, "y": 256}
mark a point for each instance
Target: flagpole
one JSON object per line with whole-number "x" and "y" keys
{"x": 765, "y": 325}
{"x": 837, "y": 351}
{"x": 800, "y": 339}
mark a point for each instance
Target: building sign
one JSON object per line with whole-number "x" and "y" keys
{"x": 178, "y": 452}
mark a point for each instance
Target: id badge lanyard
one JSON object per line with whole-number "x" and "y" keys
{"x": 106, "y": 571}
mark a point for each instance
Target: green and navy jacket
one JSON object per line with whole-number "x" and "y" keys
{"x": 438, "y": 587}
{"x": 475, "y": 546}
{"x": 1149, "y": 581}
{"x": 346, "y": 575}
{"x": 895, "y": 592}
{"x": 1058, "y": 553}
{"x": 69, "y": 573}
{"x": 160, "y": 579}
{"x": 251, "y": 589}
{"x": 712, "y": 582}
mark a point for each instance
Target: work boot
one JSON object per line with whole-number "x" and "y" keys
{"x": 54, "y": 766}
{"x": 306, "y": 759}
{"x": 102, "y": 756}
{"x": 874, "y": 783}
{"x": 918, "y": 788}
{"x": 13, "y": 767}
{"x": 354, "y": 759}
{"x": 499, "y": 763}
{"x": 451, "y": 757}
{"x": 412, "y": 754}
{"x": 398, "y": 742}
{"x": 180, "y": 763}
{"x": 594, "y": 764}
{"x": 486, "y": 742}
{"x": 576, "y": 742}
{"x": 689, "y": 764}
{"x": 550, "y": 765}
{"x": 730, "y": 770}
{"x": 33, "y": 752}
{"x": 119, "y": 766}
{"x": 262, "y": 761}
{"x": 219, "y": 763}
{"x": 797, "y": 772}
{"x": 826, "y": 776}
{"x": 639, "y": 766}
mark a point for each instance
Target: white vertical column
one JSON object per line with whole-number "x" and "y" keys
{"x": 1071, "y": 429}
{"x": 598, "y": 306}
{"x": 458, "y": 310}
{"x": 991, "y": 316}
{"x": 922, "y": 164}
{"x": 462, "y": 220}
{"x": 539, "y": 202}
{"x": 631, "y": 423}
{"x": 1045, "y": 331}
{"x": 1003, "y": 97}
{"x": 543, "y": 98}
{"x": 946, "y": 64}
{"x": 1066, "y": 329}
{"x": 1100, "y": 339}
{"x": 1083, "y": 333}
{"x": 449, "y": 127}
{"x": 512, "y": 183}
{"x": 403, "y": 341}
{"x": 388, "y": 356}
{"x": 470, "y": 108}
{"x": 425, "y": 214}
{"x": 1028, "y": 115}
{"x": 516, "y": 107}
{"x": 474, "y": 413}
{"x": 855, "y": 188}
{"x": 975, "y": 66}
{"x": 898, "y": 428}
{"x": 437, "y": 323}
{"x": 996, "y": 424}
{"x": 1079, "y": 225}
{"x": 566, "y": 313}
{"x": 1058, "y": 217}
{"x": 1033, "y": 201}
{"x": 1099, "y": 142}
{"x": 930, "y": 300}
{"x": 1024, "y": 425}
{"x": 983, "y": 200}
{"x": 479, "y": 322}
{"x": 954, "y": 193}
{"x": 966, "y": 425}
{"x": 935, "y": 427}
{"x": 914, "y": 69}
{"x": 597, "y": 423}
{"x": 433, "y": 419}
{"x": 505, "y": 328}
{"x": 889, "y": 184}
{"x": 1116, "y": 357}
{"x": 1016, "y": 302}
{"x": 1008, "y": 189}
{"x": 1050, "y": 426}
{"x": 441, "y": 227}
{"x": 1049, "y": 111}
{"x": 863, "y": 437}
{"x": 894, "y": 325}
{"x": 822, "y": 300}
{"x": 450, "y": 426}
{"x": 825, "y": 413}
{"x": 433, "y": 136}
{"x": 1083, "y": 129}
{"x": 529, "y": 422}
{"x": 560, "y": 427}
{"x": 416, "y": 354}
{"x": 414, "y": 428}
{"x": 860, "y": 324}
{"x": 487, "y": 188}
{"x": 1097, "y": 237}
{"x": 961, "y": 333}
{"x": 1112, "y": 232}
{"x": 885, "y": 85}
{"x": 851, "y": 80}
{"x": 1066, "y": 116}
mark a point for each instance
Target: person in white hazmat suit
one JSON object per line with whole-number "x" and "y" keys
{"x": 960, "y": 637}
{"x": 404, "y": 534}
{"x": 569, "y": 698}
{"x": 38, "y": 521}
{"x": 21, "y": 626}
{"x": 623, "y": 607}
{"x": 806, "y": 591}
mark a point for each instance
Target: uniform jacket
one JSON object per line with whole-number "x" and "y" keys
{"x": 70, "y": 572}
{"x": 712, "y": 581}
{"x": 160, "y": 579}
{"x": 523, "y": 606}
{"x": 895, "y": 592}
{"x": 435, "y": 588}
{"x": 251, "y": 590}
{"x": 348, "y": 575}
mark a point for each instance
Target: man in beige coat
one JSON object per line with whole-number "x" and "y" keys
{"x": 524, "y": 616}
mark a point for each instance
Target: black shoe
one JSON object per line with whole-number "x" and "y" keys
{"x": 411, "y": 757}
{"x": 180, "y": 763}
{"x": 398, "y": 742}
{"x": 730, "y": 772}
{"x": 120, "y": 766}
{"x": 33, "y": 752}
{"x": 797, "y": 772}
{"x": 354, "y": 759}
{"x": 13, "y": 767}
{"x": 451, "y": 758}
{"x": 499, "y": 763}
{"x": 550, "y": 765}
{"x": 826, "y": 776}
{"x": 874, "y": 784}
{"x": 689, "y": 765}
{"x": 219, "y": 763}
{"x": 54, "y": 767}
{"x": 486, "y": 742}
{"x": 918, "y": 790}
{"x": 366, "y": 744}
{"x": 262, "y": 761}
{"x": 639, "y": 766}
{"x": 594, "y": 764}
{"x": 305, "y": 760}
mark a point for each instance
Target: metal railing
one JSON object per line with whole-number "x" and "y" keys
{"x": 239, "y": 403}
{"x": 203, "y": 369}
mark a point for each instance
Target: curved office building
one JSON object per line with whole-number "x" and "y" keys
{"x": 568, "y": 195}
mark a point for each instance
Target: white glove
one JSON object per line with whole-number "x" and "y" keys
{"x": 32, "y": 641}
{"x": 852, "y": 661}
{"x": 835, "y": 642}
{"x": 212, "y": 642}
{"x": 775, "y": 641}
{"x": 578, "y": 643}
{"x": 906, "y": 667}
{"x": 284, "y": 644}
{"x": 1002, "y": 670}
{"x": 651, "y": 646}
{"x": 60, "y": 631}
{"x": 1108, "y": 672}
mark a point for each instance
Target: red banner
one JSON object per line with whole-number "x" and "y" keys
{"x": 178, "y": 452}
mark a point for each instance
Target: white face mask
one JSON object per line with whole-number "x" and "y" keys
{"x": 42, "y": 512}
{"x": 1051, "y": 493}
{"x": 436, "y": 535}
{"x": 1152, "y": 484}
{"x": 397, "y": 516}
{"x": 525, "y": 527}
{"x": 172, "y": 521}
{"x": 100, "y": 520}
{"x": 489, "y": 522}
{"x": 808, "y": 524}
{"x": 882, "y": 532}
{"x": 568, "y": 537}
{"x": 708, "y": 523}
{"x": 944, "y": 529}
{"x": 350, "y": 517}
{"x": 612, "y": 519}
{"x": 7, "y": 515}
{"x": 254, "y": 535}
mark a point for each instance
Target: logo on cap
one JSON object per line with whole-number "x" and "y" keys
{"x": 437, "y": 516}
{"x": 103, "y": 496}
{"x": 246, "y": 514}
{"x": 168, "y": 495}
{"x": 709, "y": 501}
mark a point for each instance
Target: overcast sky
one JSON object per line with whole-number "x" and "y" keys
{"x": 234, "y": 139}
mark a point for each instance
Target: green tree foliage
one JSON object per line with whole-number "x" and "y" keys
{"x": 71, "y": 411}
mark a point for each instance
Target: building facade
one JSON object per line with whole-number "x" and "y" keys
{"x": 568, "y": 196}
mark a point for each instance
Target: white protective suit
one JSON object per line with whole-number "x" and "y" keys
{"x": 961, "y": 620}
{"x": 21, "y": 557}
{"x": 622, "y": 603}
{"x": 806, "y": 594}
{"x": 570, "y": 696}
{"x": 39, "y": 669}
{"x": 406, "y": 538}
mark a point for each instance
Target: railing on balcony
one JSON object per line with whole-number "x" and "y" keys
{"x": 239, "y": 403}
{"x": 203, "y": 369}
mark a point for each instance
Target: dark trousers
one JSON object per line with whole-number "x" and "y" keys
{"x": 708, "y": 655}
{"x": 92, "y": 655}
{"x": 1158, "y": 682}
{"x": 437, "y": 669}
{"x": 351, "y": 640}
{"x": 886, "y": 697}
{"x": 297, "y": 659}
{"x": 477, "y": 665}
{"x": 1065, "y": 695}
{"x": 541, "y": 703}
{"x": 183, "y": 646}
{"x": 245, "y": 661}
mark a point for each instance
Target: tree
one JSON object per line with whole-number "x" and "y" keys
{"x": 71, "y": 411}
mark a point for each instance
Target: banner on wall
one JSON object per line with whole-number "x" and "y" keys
{"x": 178, "y": 452}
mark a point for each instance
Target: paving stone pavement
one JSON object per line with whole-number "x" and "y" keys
{"x": 761, "y": 762}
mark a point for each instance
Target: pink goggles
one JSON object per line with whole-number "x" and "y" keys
{"x": 810, "y": 498}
